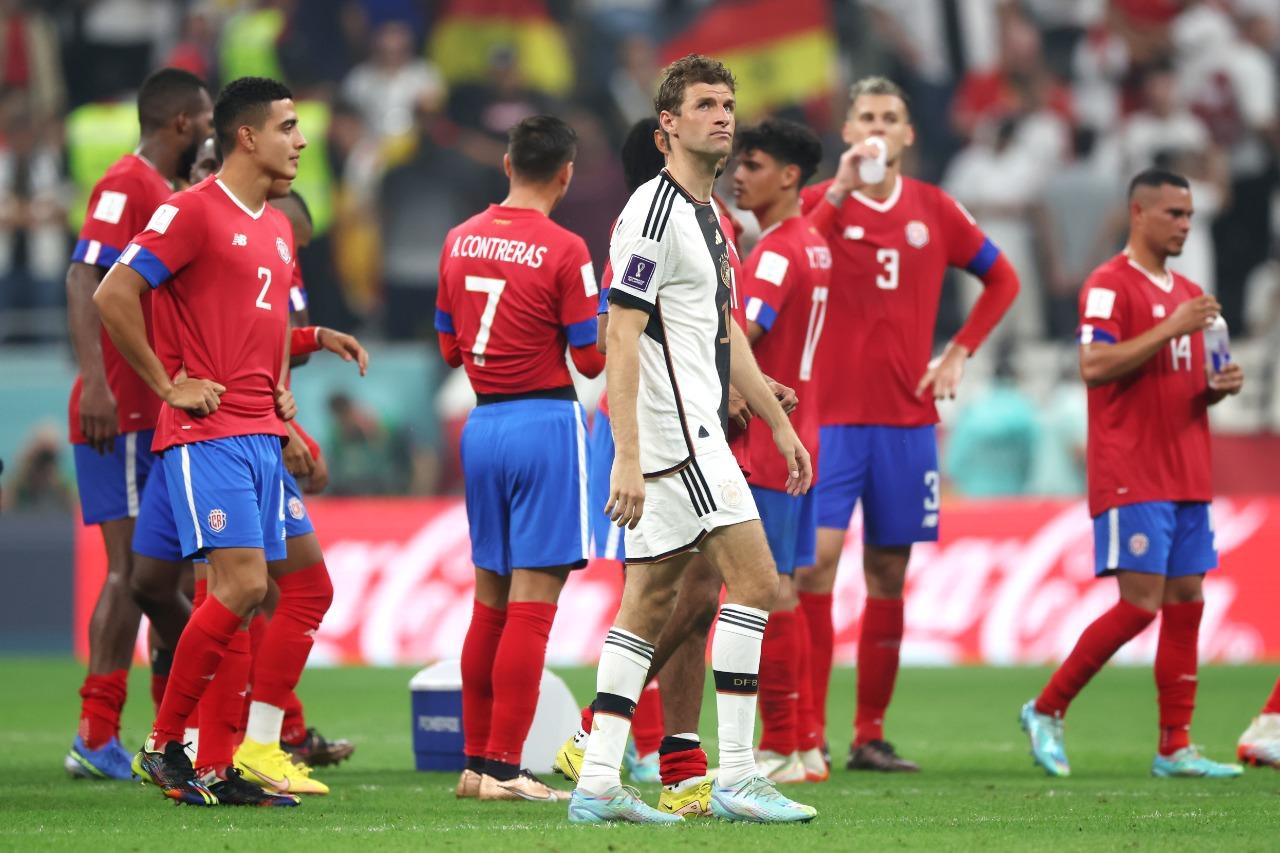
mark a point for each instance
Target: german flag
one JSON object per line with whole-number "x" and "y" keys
{"x": 782, "y": 52}
{"x": 467, "y": 32}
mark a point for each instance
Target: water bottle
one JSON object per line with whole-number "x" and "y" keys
{"x": 1217, "y": 346}
{"x": 872, "y": 171}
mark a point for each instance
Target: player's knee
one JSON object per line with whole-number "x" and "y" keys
{"x": 242, "y": 595}
{"x": 149, "y": 586}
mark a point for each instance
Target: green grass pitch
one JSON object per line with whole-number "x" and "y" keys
{"x": 978, "y": 789}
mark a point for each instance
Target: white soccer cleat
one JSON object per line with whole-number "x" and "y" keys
{"x": 1260, "y": 743}
{"x": 780, "y": 769}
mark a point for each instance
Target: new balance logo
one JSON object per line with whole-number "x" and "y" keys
{"x": 239, "y": 240}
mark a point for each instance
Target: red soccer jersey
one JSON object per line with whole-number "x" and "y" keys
{"x": 222, "y": 275}
{"x": 515, "y": 288}
{"x": 1148, "y": 431}
{"x": 889, "y": 259}
{"x": 119, "y": 206}
{"x": 786, "y": 288}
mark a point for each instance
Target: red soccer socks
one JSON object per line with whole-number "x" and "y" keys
{"x": 102, "y": 698}
{"x": 516, "y": 676}
{"x": 479, "y": 649}
{"x": 1102, "y": 639}
{"x": 779, "y": 684}
{"x": 195, "y": 661}
{"x": 821, "y": 640}
{"x": 1176, "y": 673}
{"x": 878, "y": 651}
{"x": 646, "y": 723}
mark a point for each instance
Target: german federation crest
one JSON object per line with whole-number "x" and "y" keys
{"x": 283, "y": 249}
{"x": 217, "y": 520}
{"x": 917, "y": 234}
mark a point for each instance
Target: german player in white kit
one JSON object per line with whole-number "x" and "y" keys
{"x": 675, "y": 485}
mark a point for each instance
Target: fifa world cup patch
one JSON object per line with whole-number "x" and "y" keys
{"x": 217, "y": 520}
{"x": 639, "y": 273}
{"x": 296, "y": 509}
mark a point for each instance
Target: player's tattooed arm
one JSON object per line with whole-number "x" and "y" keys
{"x": 626, "y": 481}
{"x": 119, "y": 303}
{"x": 1102, "y": 363}
{"x": 97, "y": 403}
{"x": 745, "y": 375}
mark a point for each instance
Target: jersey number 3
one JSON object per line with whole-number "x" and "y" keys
{"x": 493, "y": 287}
{"x": 888, "y": 261}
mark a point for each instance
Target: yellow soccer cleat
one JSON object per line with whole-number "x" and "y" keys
{"x": 569, "y": 758}
{"x": 268, "y": 765}
{"x": 692, "y": 802}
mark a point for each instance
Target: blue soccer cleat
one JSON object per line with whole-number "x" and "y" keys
{"x": 1189, "y": 763}
{"x": 110, "y": 761}
{"x": 757, "y": 801}
{"x": 645, "y": 769}
{"x": 619, "y": 804}
{"x": 1046, "y": 734}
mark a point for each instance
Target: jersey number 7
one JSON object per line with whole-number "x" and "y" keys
{"x": 493, "y": 287}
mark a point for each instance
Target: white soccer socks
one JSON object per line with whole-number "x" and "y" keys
{"x": 265, "y": 722}
{"x": 624, "y": 667}
{"x": 735, "y": 660}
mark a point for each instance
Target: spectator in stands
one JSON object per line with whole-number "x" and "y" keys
{"x": 393, "y": 82}
{"x": 197, "y": 49}
{"x": 367, "y": 457}
{"x": 116, "y": 44}
{"x": 38, "y": 483}
{"x": 990, "y": 449}
{"x": 30, "y": 62}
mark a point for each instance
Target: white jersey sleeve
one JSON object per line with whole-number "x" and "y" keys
{"x": 637, "y": 252}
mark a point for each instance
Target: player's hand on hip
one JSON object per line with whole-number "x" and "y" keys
{"x": 197, "y": 396}
{"x": 799, "y": 465}
{"x": 298, "y": 460}
{"x": 1229, "y": 380}
{"x": 944, "y": 374}
{"x": 344, "y": 345}
{"x": 739, "y": 411}
{"x": 98, "y": 416}
{"x": 785, "y": 396}
{"x": 286, "y": 407}
{"x": 626, "y": 493}
{"x": 319, "y": 479}
{"x": 1194, "y": 315}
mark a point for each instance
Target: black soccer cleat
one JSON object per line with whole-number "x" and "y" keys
{"x": 881, "y": 756}
{"x": 172, "y": 773}
{"x": 235, "y": 791}
{"x": 315, "y": 751}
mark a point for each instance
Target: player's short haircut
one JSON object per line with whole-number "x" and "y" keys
{"x": 788, "y": 142}
{"x": 1156, "y": 178}
{"x": 684, "y": 72}
{"x": 245, "y": 101}
{"x": 641, "y": 159}
{"x": 877, "y": 85}
{"x": 539, "y": 146}
{"x": 165, "y": 95}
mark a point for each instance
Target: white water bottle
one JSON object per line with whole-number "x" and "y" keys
{"x": 1217, "y": 346}
{"x": 872, "y": 170}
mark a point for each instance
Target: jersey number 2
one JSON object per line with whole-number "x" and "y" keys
{"x": 493, "y": 287}
{"x": 264, "y": 276}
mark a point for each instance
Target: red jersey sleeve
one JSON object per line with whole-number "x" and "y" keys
{"x": 1101, "y": 311}
{"x": 444, "y": 293}
{"x": 767, "y": 284}
{"x": 967, "y": 247}
{"x": 117, "y": 211}
{"x": 174, "y": 235}
{"x": 579, "y": 297}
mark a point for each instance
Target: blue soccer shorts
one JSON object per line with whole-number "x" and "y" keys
{"x": 1169, "y": 538}
{"x": 156, "y": 534}
{"x": 790, "y": 526}
{"x": 111, "y": 485}
{"x": 525, "y": 467}
{"x": 607, "y": 539}
{"x": 892, "y": 470}
{"x": 228, "y": 493}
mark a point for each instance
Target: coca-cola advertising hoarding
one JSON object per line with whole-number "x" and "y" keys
{"x": 1010, "y": 582}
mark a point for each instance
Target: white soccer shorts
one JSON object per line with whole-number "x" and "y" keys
{"x": 682, "y": 508}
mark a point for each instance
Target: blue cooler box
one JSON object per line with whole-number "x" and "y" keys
{"x": 436, "y": 700}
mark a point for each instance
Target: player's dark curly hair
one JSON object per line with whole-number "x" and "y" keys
{"x": 246, "y": 101}
{"x": 788, "y": 142}
{"x": 679, "y": 75}
{"x": 539, "y": 146}
{"x": 165, "y": 94}
{"x": 641, "y": 159}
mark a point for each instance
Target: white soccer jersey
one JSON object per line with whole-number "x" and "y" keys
{"x": 671, "y": 260}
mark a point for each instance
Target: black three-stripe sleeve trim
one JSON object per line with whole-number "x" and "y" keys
{"x": 666, "y": 215}
{"x": 659, "y": 210}
{"x": 700, "y": 482}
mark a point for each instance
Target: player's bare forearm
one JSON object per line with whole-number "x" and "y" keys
{"x": 1225, "y": 384}
{"x": 745, "y": 376}
{"x": 602, "y": 332}
{"x": 83, "y": 322}
{"x": 622, "y": 375}
{"x": 1103, "y": 363}
{"x": 119, "y": 303}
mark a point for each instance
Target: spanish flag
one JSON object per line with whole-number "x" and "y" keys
{"x": 467, "y": 32}
{"x": 782, "y": 52}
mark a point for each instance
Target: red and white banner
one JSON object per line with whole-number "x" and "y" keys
{"x": 1010, "y": 582}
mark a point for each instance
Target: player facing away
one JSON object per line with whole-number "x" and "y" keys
{"x": 221, "y": 259}
{"x": 891, "y": 244}
{"x": 675, "y": 486}
{"x": 1259, "y": 745}
{"x": 515, "y": 290}
{"x": 786, "y": 286}
{"x": 112, "y": 411}
{"x": 1142, "y": 356}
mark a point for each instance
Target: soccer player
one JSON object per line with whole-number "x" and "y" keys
{"x": 672, "y": 353}
{"x": 515, "y": 289}
{"x": 786, "y": 285}
{"x": 1260, "y": 743}
{"x": 1142, "y": 356}
{"x": 113, "y": 412}
{"x": 221, "y": 259}
{"x": 891, "y": 244}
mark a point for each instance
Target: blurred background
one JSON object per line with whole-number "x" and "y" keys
{"x": 1032, "y": 113}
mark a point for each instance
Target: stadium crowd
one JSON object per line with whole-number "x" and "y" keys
{"x": 1031, "y": 113}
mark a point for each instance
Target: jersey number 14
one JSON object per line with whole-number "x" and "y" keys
{"x": 1180, "y": 352}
